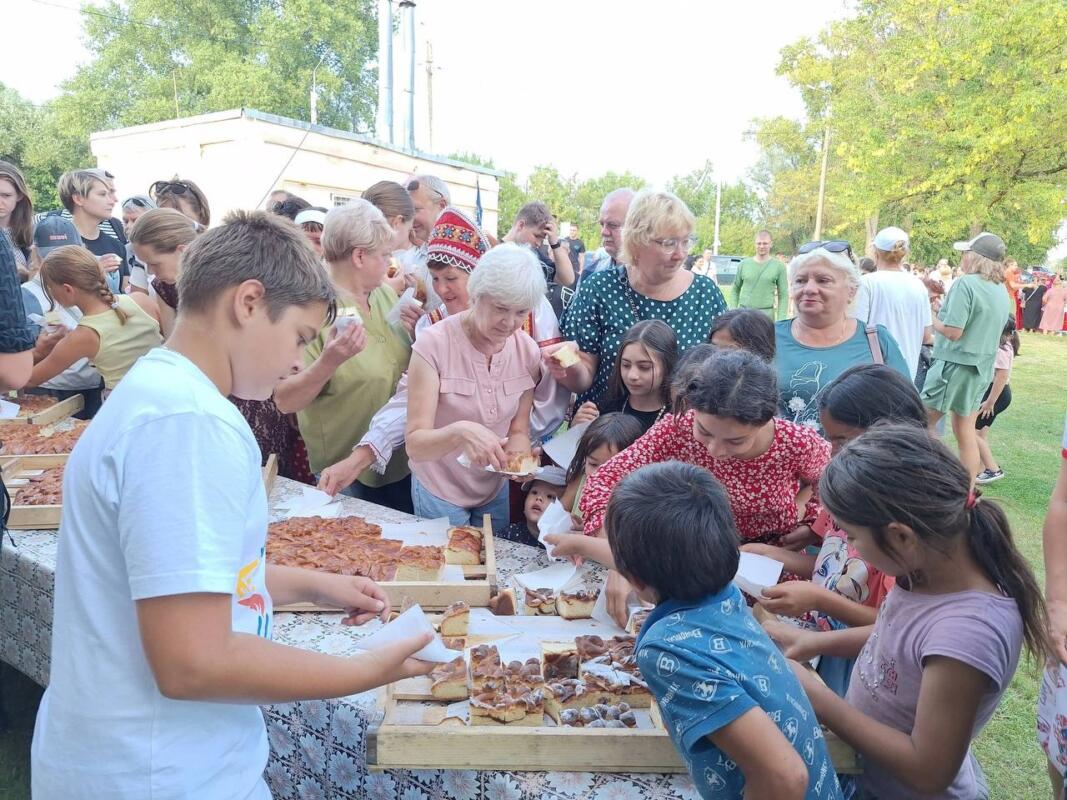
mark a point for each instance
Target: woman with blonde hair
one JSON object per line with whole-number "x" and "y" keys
{"x": 16, "y": 212}
{"x": 114, "y": 330}
{"x": 159, "y": 237}
{"x": 650, "y": 283}
{"x": 967, "y": 335}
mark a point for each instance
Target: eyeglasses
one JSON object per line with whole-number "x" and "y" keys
{"x": 670, "y": 245}
{"x": 833, "y": 246}
{"x": 174, "y": 187}
{"x": 100, "y": 173}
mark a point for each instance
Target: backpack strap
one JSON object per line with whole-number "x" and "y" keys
{"x": 875, "y": 345}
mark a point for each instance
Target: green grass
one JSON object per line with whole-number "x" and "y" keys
{"x": 1026, "y": 442}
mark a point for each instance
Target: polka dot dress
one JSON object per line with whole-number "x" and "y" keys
{"x": 602, "y": 312}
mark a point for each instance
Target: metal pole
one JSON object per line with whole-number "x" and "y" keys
{"x": 718, "y": 208}
{"x": 822, "y": 182}
{"x": 385, "y": 71}
{"x": 429, "y": 94}
{"x": 410, "y": 5}
{"x": 315, "y": 91}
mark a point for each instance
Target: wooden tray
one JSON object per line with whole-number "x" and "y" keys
{"x": 30, "y": 517}
{"x": 60, "y": 410}
{"x": 476, "y": 588}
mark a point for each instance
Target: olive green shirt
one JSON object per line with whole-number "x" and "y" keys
{"x": 756, "y": 283}
{"x": 339, "y": 417}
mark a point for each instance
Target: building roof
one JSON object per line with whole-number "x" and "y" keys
{"x": 250, "y": 113}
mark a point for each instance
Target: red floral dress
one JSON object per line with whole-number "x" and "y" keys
{"x": 762, "y": 490}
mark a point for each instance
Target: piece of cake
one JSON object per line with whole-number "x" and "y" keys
{"x": 522, "y": 463}
{"x": 419, "y": 563}
{"x": 589, "y": 647}
{"x": 455, "y": 621}
{"x": 559, "y": 660}
{"x": 637, "y": 620}
{"x": 492, "y": 707}
{"x": 464, "y": 546}
{"x": 567, "y": 356}
{"x": 577, "y": 604}
{"x": 449, "y": 681}
{"x": 503, "y": 604}
{"x": 539, "y": 601}
{"x": 571, "y": 693}
{"x": 615, "y": 684}
{"x": 599, "y": 716}
{"x": 454, "y": 642}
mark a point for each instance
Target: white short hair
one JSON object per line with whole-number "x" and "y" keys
{"x": 436, "y": 186}
{"x": 508, "y": 274}
{"x": 838, "y": 261}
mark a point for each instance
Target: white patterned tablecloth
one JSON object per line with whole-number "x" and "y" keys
{"x": 318, "y": 748}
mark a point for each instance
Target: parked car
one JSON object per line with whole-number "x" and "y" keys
{"x": 726, "y": 268}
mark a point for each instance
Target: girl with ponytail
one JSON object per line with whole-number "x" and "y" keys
{"x": 114, "y": 330}
{"x": 948, "y": 637}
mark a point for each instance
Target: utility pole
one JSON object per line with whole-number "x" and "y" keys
{"x": 817, "y": 236}
{"x": 409, "y": 6}
{"x": 385, "y": 71}
{"x": 315, "y": 91}
{"x": 429, "y": 93}
{"x": 718, "y": 209}
{"x": 174, "y": 80}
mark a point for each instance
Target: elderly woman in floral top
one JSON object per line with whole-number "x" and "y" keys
{"x": 730, "y": 430}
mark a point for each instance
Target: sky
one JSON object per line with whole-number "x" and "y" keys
{"x": 584, "y": 85}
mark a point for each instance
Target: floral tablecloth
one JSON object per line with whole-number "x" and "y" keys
{"x": 318, "y": 748}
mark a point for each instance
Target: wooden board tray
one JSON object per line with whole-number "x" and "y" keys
{"x": 61, "y": 409}
{"x": 476, "y": 588}
{"x": 417, "y": 733}
{"x": 30, "y": 517}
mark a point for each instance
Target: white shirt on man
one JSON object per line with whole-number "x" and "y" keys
{"x": 162, "y": 496}
{"x": 898, "y": 300}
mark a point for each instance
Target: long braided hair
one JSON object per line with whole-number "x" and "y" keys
{"x": 79, "y": 268}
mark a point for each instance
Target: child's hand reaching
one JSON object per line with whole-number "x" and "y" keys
{"x": 792, "y": 598}
{"x": 568, "y": 545}
{"x": 586, "y": 412}
{"x": 794, "y": 642}
{"x": 393, "y": 662}
{"x": 361, "y": 598}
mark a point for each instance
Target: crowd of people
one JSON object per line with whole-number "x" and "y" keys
{"x": 392, "y": 350}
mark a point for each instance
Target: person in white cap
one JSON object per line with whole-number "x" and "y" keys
{"x": 893, "y": 297}
{"x": 542, "y": 491}
{"x": 968, "y": 330}
{"x": 311, "y": 220}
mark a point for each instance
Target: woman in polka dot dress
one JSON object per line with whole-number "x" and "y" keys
{"x": 731, "y": 431}
{"x": 656, "y": 238}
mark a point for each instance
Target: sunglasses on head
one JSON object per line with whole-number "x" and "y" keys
{"x": 174, "y": 187}
{"x": 833, "y": 246}
{"x": 136, "y": 201}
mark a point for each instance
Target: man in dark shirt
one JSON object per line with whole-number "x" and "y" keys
{"x": 575, "y": 248}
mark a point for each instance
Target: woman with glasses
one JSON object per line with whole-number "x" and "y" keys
{"x": 183, "y": 195}
{"x": 649, "y": 284}
{"x": 823, "y": 340}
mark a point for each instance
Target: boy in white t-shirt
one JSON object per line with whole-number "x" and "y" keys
{"x": 893, "y": 297}
{"x": 161, "y": 644}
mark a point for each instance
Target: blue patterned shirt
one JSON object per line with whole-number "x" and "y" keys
{"x": 709, "y": 662}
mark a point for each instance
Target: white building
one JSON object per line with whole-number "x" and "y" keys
{"x": 238, "y": 157}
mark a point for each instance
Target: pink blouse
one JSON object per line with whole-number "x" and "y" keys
{"x": 474, "y": 391}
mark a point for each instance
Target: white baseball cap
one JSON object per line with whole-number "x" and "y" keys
{"x": 888, "y": 238}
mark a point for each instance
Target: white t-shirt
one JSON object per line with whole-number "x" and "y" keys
{"x": 162, "y": 496}
{"x": 898, "y": 300}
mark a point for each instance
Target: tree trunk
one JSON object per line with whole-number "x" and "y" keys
{"x": 871, "y": 225}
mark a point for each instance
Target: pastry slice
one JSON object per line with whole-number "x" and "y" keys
{"x": 419, "y": 563}
{"x": 559, "y": 660}
{"x": 503, "y": 604}
{"x": 566, "y": 356}
{"x": 570, "y": 693}
{"x": 637, "y": 620}
{"x": 539, "y": 601}
{"x": 464, "y": 546}
{"x": 491, "y": 708}
{"x": 454, "y": 642}
{"x": 522, "y": 463}
{"x": 455, "y": 621}
{"x": 577, "y": 604}
{"x": 449, "y": 681}
{"x": 589, "y": 647}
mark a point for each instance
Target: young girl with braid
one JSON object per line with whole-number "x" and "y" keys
{"x": 114, "y": 331}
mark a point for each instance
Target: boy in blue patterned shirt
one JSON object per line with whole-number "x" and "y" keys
{"x": 728, "y": 697}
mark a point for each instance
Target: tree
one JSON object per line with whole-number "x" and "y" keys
{"x": 158, "y": 59}
{"x": 946, "y": 112}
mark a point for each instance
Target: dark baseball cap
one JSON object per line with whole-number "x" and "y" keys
{"x": 985, "y": 244}
{"x": 54, "y": 231}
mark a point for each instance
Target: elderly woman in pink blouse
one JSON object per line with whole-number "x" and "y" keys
{"x": 470, "y": 392}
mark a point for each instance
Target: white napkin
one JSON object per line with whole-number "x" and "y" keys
{"x": 406, "y": 299}
{"x": 600, "y": 609}
{"x": 310, "y": 503}
{"x": 554, "y": 520}
{"x": 8, "y": 410}
{"x": 411, "y": 623}
{"x": 755, "y": 573}
{"x": 562, "y": 448}
{"x": 555, "y": 578}
{"x": 429, "y": 532}
{"x": 466, "y": 462}
{"x": 343, "y": 323}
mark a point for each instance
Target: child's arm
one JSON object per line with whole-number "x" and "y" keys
{"x": 195, "y": 655}
{"x": 772, "y": 767}
{"x": 298, "y": 391}
{"x": 579, "y": 545}
{"x": 795, "y": 598}
{"x": 1055, "y": 545}
{"x": 803, "y": 645}
{"x": 80, "y": 343}
{"x": 928, "y": 758}
{"x": 801, "y": 564}
{"x": 1000, "y": 380}
{"x": 361, "y": 598}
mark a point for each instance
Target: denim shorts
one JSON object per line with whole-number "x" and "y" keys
{"x": 429, "y": 506}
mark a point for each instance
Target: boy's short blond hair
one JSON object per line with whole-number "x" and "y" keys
{"x": 254, "y": 245}
{"x": 77, "y": 182}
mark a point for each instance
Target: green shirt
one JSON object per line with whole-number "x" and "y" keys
{"x": 755, "y": 285}
{"x": 337, "y": 419}
{"x": 981, "y": 308}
